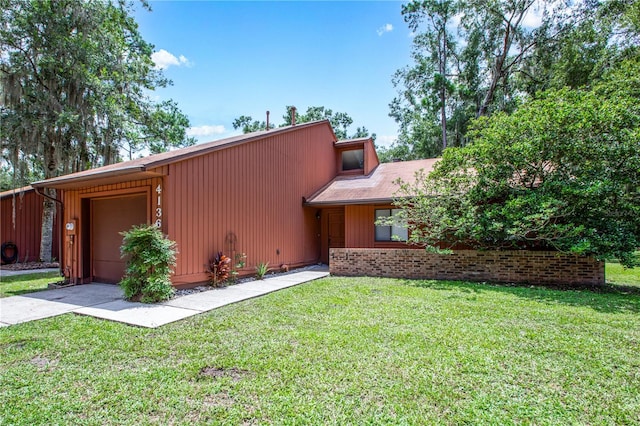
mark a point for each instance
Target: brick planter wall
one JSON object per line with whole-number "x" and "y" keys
{"x": 536, "y": 267}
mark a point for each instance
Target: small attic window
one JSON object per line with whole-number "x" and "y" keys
{"x": 353, "y": 159}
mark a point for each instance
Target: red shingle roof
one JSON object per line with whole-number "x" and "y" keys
{"x": 377, "y": 187}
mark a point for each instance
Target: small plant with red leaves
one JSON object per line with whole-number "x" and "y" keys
{"x": 219, "y": 269}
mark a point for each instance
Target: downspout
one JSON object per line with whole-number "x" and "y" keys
{"x": 60, "y": 225}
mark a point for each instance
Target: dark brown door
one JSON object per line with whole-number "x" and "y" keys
{"x": 109, "y": 217}
{"x": 332, "y": 233}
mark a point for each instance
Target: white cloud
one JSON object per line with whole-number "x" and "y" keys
{"x": 532, "y": 19}
{"x": 386, "y": 28}
{"x": 164, "y": 59}
{"x": 201, "y": 131}
{"x": 386, "y": 140}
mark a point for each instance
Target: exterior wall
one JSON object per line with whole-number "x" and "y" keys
{"x": 77, "y": 247}
{"x": 248, "y": 199}
{"x": 25, "y": 232}
{"x": 360, "y": 227}
{"x": 536, "y": 267}
{"x": 370, "y": 157}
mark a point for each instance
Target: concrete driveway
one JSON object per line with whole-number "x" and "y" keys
{"x": 49, "y": 303}
{"x": 105, "y": 301}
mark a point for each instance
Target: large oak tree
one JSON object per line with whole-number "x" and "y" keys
{"x": 75, "y": 81}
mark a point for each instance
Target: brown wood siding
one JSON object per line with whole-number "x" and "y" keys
{"x": 370, "y": 157}
{"x": 248, "y": 199}
{"x": 77, "y": 247}
{"x": 26, "y": 231}
{"x": 360, "y": 228}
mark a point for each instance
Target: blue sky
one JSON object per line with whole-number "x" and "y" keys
{"x": 228, "y": 59}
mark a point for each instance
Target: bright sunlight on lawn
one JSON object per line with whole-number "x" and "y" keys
{"x": 27, "y": 283}
{"x": 617, "y": 274}
{"x": 338, "y": 351}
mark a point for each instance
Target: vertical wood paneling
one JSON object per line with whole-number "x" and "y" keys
{"x": 26, "y": 231}
{"x": 371, "y": 158}
{"x": 360, "y": 228}
{"x": 359, "y": 225}
{"x": 253, "y": 190}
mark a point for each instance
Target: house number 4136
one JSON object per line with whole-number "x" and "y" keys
{"x": 159, "y": 209}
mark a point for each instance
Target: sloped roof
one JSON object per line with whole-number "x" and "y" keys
{"x": 17, "y": 191}
{"x": 376, "y": 187}
{"x": 143, "y": 165}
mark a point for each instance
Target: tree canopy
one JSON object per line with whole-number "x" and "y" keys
{"x": 476, "y": 58}
{"x": 340, "y": 121}
{"x": 560, "y": 172}
{"x": 75, "y": 79}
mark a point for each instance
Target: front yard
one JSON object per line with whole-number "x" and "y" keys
{"x": 340, "y": 351}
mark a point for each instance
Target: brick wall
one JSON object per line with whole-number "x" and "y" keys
{"x": 536, "y": 267}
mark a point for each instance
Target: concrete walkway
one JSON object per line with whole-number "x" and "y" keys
{"x": 106, "y": 301}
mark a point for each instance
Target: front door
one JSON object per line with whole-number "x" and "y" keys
{"x": 332, "y": 231}
{"x": 109, "y": 217}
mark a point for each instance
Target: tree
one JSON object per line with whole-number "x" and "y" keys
{"x": 249, "y": 125}
{"x": 340, "y": 122}
{"x": 458, "y": 74}
{"x": 74, "y": 78}
{"x": 561, "y": 172}
{"x": 426, "y": 97}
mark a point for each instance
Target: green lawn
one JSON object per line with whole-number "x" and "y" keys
{"x": 340, "y": 351}
{"x": 28, "y": 283}
{"x": 616, "y": 274}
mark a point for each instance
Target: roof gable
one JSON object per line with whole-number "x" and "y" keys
{"x": 144, "y": 166}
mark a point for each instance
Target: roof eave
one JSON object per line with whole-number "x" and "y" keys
{"x": 349, "y": 202}
{"x": 70, "y": 180}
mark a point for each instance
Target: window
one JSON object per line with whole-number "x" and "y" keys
{"x": 353, "y": 160}
{"x": 395, "y": 232}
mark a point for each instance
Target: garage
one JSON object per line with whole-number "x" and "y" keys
{"x": 109, "y": 217}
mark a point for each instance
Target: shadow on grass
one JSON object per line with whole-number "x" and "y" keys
{"x": 10, "y": 293}
{"x": 606, "y": 298}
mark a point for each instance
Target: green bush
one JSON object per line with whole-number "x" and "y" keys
{"x": 151, "y": 259}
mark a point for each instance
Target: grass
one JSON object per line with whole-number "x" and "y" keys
{"x": 617, "y": 274}
{"x": 340, "y": 351}
{"x": 28, "y": 283}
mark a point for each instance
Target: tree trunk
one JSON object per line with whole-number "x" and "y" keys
{"x": 48, "y": 206}
{"x": 46, "y": 240}
{"x": 443, "y": 93}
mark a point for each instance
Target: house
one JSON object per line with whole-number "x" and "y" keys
{"x": 291, "y": 196}
{"x": 259, "y": 194}
{"x": 352, "y": 202}
{"x": 21, "y": 224}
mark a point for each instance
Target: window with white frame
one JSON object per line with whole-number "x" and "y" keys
{"x": 397, "y": 231}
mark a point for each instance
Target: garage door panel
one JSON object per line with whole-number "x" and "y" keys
{"x": 110, "y": 216}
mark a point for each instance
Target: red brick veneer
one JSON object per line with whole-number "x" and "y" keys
{"x": 536, "y": 267}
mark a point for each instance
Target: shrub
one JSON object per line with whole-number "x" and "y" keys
{"x": 151, "y": 258}
{"x": 219, "y": 269}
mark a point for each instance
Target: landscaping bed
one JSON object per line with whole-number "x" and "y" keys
{"x": 29, "y": 266}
